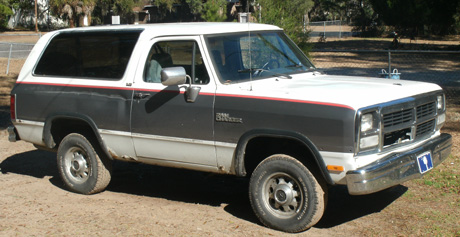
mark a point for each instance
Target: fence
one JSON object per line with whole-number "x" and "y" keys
{"x": 440, "y": 67}
{"x": 14, "y": 48}
{"x": 329, "y": 29}
{"x": 13, "y": 52}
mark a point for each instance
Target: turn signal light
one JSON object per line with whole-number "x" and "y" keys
{"x": 335, "y": 168}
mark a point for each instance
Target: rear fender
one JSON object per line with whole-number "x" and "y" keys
{"x": 50, "y": 141}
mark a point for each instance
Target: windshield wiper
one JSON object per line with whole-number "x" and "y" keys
{"x": 310, "y": 69}
{"x": 294, "y": 65}
{"x": 259, "y": 70}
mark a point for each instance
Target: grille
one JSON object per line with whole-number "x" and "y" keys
{"x": 426, "y": 110}
{"x": 409, "y": 121}
{"x": 396, "y": 137}
{"x": 425, "y": 128}
{"x": 397, "y": 118}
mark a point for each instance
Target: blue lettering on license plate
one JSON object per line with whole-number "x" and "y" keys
{"x": 425, "y": 162}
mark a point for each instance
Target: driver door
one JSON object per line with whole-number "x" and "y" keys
{"x": 165, "y": 127}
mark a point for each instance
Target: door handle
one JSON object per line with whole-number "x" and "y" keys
{"x": 140, "y": 96}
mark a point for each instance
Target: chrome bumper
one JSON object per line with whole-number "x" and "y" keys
{"x": 396, "y": 168}
{"x": 12, "y": 134}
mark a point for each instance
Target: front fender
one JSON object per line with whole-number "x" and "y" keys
{"x": 240, "y": 168}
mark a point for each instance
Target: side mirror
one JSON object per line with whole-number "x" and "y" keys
{"x": 192, "y": 93}
{"x": 173, "y": 76}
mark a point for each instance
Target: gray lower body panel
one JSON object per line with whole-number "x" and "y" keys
{"x": 396, "y": 168}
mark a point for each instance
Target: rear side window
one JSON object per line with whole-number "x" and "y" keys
{"x": 101, "y": 55}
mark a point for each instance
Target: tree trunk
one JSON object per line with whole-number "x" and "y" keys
{"x": 36, "y": 17}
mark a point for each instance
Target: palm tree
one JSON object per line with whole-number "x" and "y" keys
{"x": 73, "y": 9}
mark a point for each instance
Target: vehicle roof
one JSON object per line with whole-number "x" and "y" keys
{"x": 191, "y": 28}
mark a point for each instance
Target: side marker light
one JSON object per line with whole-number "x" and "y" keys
{"x": 335, "y": 168}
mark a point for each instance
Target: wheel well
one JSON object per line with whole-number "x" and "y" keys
{"x": 259, "y": 148}
{"x": 63, "y": 127}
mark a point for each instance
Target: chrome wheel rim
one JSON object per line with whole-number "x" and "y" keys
{"x": 76, "y": 163}
{"x": 282, "y": 195}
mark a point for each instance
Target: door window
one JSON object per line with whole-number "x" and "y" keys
{"x": 184, "y": 54}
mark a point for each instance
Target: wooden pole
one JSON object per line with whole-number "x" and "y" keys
{"x": 36, "y": 17}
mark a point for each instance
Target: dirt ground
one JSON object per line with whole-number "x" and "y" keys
{"x": 20, "y": 36}
{"x": 150, "y": 200}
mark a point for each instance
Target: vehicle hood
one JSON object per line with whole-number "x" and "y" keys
{"x": 345, "y": 91}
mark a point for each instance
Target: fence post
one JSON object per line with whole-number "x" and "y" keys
{"x": 340, "y": 31}
{"x": 389, "y": 62}
{"x": 9, "y": 58}
{"x": 324, "y": 29}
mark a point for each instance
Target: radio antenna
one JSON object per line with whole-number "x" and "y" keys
{"x": 249, "y": 47}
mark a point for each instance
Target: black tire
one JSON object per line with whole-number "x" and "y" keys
{"x": 81, "y": 168}
{"x": 285, "y": 195}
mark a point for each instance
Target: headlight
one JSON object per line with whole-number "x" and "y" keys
{"x": 367, "y": 122}
{"x": 368, "y": 133}
{"x": 440, "y": 102}
{"x": 441, "y": 111}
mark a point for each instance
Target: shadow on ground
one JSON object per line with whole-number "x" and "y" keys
{"x": 199, "y": 187}
{"x": 343, "y": 207}
{"x": 4, "y": 117}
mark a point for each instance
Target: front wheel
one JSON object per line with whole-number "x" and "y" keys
{"x": 285, "y": 195}
{"x": 80, "y": 167}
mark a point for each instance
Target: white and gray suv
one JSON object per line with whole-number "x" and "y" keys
{"x": 229, "y": 98}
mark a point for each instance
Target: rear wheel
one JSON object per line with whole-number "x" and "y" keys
{"x": 285, "y": 195}
{"x": 80, "y": 167}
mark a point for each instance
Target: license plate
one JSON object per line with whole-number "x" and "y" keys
{"x": 425, "y": 162}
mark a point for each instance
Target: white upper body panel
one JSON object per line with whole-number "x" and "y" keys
{"x": 345, "y": 91}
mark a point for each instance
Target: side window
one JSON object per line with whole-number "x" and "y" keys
{"x": 100, "y": 55}
{"x": 184, "y": 54}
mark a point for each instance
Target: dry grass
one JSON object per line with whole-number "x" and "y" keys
{"x": 14, "y": 69}
{"x": 27, "y": 37}
{"x": 6, "y": 84}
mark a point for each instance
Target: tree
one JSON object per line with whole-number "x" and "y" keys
{"x": 287, "y": 15}
{"x": 73, "y": 10}
{"x": 123, "y": 8}
{"x": 5, "y": 13}
{"x": 196, "y": 7}
{"x": 214, "y": 10}
{"x": 325, "y": 10}
{"x": 168, "y": 4}
{"x": 365, "y": 19}
{"x": 456, "y": 25}
{"x": 434, "y": 16}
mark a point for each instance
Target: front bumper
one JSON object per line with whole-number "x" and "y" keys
{"x": 396, "y": 168}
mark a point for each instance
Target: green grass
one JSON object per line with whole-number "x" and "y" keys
{"x": 445, "y": 177}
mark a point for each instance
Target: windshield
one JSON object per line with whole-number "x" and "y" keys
{"x": 239, "y": 56}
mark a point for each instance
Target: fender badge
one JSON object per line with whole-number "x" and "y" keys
{"x": 224, "y": 117}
